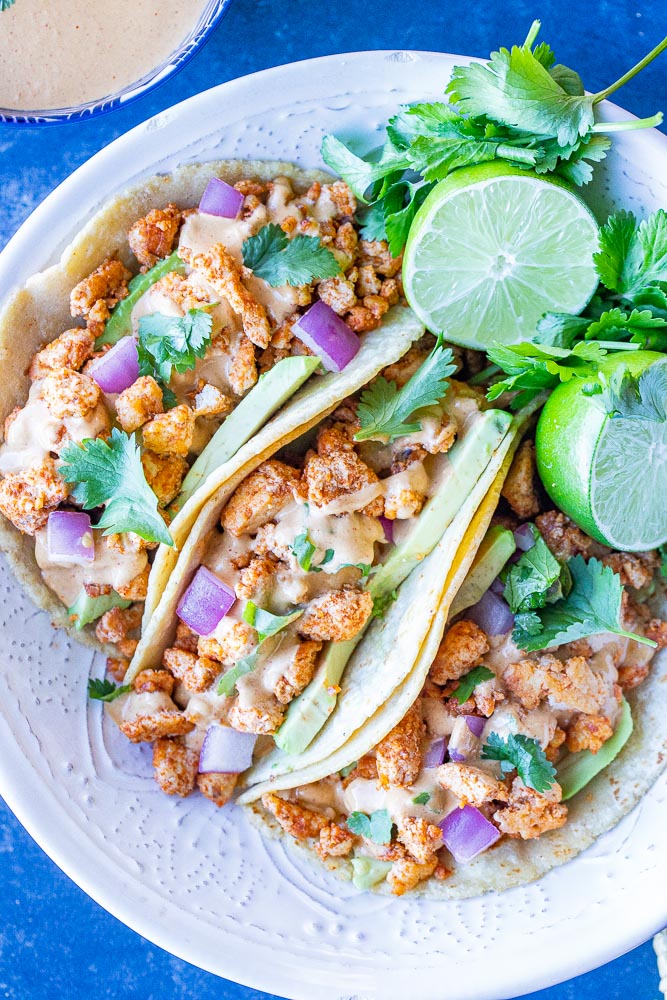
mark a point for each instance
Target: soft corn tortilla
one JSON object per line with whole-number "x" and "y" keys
{"x": 592, "y": 812}
{"x": 37, "y": 313}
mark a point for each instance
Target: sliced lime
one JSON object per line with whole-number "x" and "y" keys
{"x": 494, "y": 247}
{"x": 608, "y": 475}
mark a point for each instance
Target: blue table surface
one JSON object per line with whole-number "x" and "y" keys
{"x": 54, "y": 941}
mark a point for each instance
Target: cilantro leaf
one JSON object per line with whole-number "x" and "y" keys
{"x": 639, "y": 326}
{"x": 172, "y": 342}
{"x": 469, "y": 682}
{"x": 110, "y": 474}
{"x": 371, "y": 220}
{"x": 383, "y": 409}
{"x": 376, "y": 827}
{"x": 534, "y": 367}
{"x": 530, "y": 582}
{"x": 662, "y": 549}
{"x": 524, "y": 755}
{"x": 106, "y": 690}
{"x": 641, "y": 398}
{"x": 356, "y": 171}
{"x": 227, "y": 683}
{"x": 303, "y": 551}
{"x": 382, "y": 604}
{"x": 632, "y": 254}
{"x": 422, "y": 799}
{"x": 264, "y": 622}
{"x": 279, "y": 260}
{"x": 6, "y": 4}
{"x": 592, "y": 606}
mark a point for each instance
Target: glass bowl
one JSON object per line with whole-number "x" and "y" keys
{"x": 188, "y": 47}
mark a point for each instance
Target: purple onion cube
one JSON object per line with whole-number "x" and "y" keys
{"x": 226, "y": 750}
{"x": 118, "y": 368}
{"x": 69, "y": 538}
{"x": 435, "y": 753}
{"x": 221, "y": 199}
{"x": 205, "y": 602}
{"x": 475, "y": 725}
{"x": 325, "y": 333}
{"x": 467, "y": 833}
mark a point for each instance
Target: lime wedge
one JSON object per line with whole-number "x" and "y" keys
{"x": 609, "y": 476}
{"x": 494, "y": 247}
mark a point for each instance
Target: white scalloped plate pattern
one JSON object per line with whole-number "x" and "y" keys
{"x": 201, "y": 882}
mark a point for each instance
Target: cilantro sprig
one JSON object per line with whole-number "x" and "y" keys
{"x": 520, "y": 107}
{"x": 524, "y": 755}
{"x": 532, "y": 368}
{"x": 384, "y": 410}
{"x": 265, "y": 623}
{"x": 109, "y": 474}
{"x": 376, "y": 827}
{"x": 168, "y": 343}
{"x": 105, "y": 690}
{"x": 469, "y": 682}
{"x": 536, "y": 579}
{"x": 592, "y": 606}
{"x": 279, "y": 260}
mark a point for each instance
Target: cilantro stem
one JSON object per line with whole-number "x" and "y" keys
{"x": 484, "y": 375}
{"x": 638, "y": 638}
{"x": 618, "y": 345}
{"x": 532, "y": 34}
{"x": 505, "y": 152}
{"x": 651, "y": 122}
{"x": 603, "y": 94}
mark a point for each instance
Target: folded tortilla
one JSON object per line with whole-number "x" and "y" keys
{"x": 598, "y": 807}
{"x": 39, "y": 312}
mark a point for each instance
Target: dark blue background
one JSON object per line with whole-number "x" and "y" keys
{"x": 54, "y": 941}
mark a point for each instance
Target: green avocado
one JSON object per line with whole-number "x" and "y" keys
{"x": 88, "y": 609}
{"x": 273, "y": 389}
{"x": 467, "y": 460}
{"x": 120, "y": 323}
{"x": 497, "y": 546}
{"x": 577, "y": 769}
{"x": 369, "y": 872}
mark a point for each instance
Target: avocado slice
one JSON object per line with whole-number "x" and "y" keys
{"x": 120, "y": 323}
{"x": 577, "y": 769}
{"x": 497, "y": 546}
{"x": 273, "y": 389}
{"x": 88, "y": 609}
{"x": 369, "y": 872}
{"x": 468, "y": 458}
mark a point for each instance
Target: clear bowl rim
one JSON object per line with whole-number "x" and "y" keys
{"x": 174, "y": 63}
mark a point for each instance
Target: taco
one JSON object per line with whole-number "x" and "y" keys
{"x": 186, "y": 329}
{"x": 521, "y": 732}
{"x": 289, "y": 563}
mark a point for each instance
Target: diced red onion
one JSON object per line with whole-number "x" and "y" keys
{"x": 475, "y": 724}
{"x": 221, "y": 199}
{"x": 325, "y": 333}
{"x": 463, "y": 741}
{"x": 435, "y": 753}
{"x": 226, "y": 750}
{"x": 523, "y": 536}
{"x": 466, "y": 833}
{"x": 118, "y": 368}
{"x": 388, "y": 526}
{"x": 206, "y": 602}
{"x": 69, "y": 538}
{"x": 492, "y": 614}
{"x": 498, "y": 587}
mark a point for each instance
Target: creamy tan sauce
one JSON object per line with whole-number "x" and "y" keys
{"x": 111, "y": 566}
{"x": 61, "y": 53}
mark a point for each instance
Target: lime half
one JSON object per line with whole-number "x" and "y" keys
{"x": 494, "y": 247}
{"x": 609, "y": 476}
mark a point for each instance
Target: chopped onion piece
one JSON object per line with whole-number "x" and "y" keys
{"x": 492, "y": 614}
{"x": 69, "y": 538}
{"x": 475, "y": 724}
{"x": 463, "y": 742}
{"x": 221, "y": 199}
{"x": 523, "y": 536}
{"x": 206, "y": 602}
{"x": 118, "y": 368}
{"x": 226, "y": 750}
{"x": 498, "y": 587}
{"x": 466, "y": 833}
{"x": 325, "y": 333}
{"x": 435, "y": 754}
{"x": 388, "y": 526}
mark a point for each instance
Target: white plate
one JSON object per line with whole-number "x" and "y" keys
{"x": 200, "y": 882}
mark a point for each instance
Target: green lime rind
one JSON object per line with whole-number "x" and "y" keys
{"x": 606, "y": 491}
{"x": 494, "y": 247}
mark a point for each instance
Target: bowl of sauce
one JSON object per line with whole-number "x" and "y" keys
{"x": 66, "y": 60}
